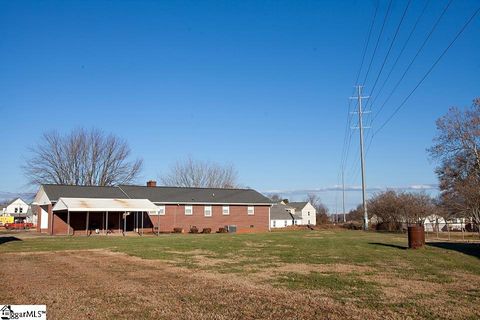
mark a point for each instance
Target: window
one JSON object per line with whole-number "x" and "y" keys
{"x": 161, "y": 210}
{"x": 296, "y": 222}
{"x": 16, "y": 210}
{"x": 308, "y": 221}
{"x": 21, "y": 210}
{"x": 188, "y": 210}
{"x": 207, "y": 211}
{"x": 226, "y": 210}
{"x": 286, "y": 223}
{"x": 251, "y": 211}
{"x": 274, "y": 223}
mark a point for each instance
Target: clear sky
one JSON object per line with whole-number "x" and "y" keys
{"x": 263, "y": 85}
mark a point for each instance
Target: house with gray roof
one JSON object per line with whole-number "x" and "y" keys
{"x": 282, "y": 215}
{"x": 68, "y": 210}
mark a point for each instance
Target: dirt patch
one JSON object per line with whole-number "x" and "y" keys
{"x": 104, "y": 285}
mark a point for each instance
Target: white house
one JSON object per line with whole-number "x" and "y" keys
{"x": 305, "y": 211}
{"x": 281, "y": 216}
{"x": 437, "y": 223}
{"x": 16, "y": 207}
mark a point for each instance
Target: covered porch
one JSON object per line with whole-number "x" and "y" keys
{"x": 87, "y": 216}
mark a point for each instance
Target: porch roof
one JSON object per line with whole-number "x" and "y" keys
{"x": 102, "y": 205}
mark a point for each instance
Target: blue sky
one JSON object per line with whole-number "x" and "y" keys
{"x": 263, "y": 85}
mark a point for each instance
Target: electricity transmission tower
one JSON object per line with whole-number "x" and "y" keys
{"x": 360, "y": 112}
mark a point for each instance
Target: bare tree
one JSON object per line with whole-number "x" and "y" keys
{"x": 81, "y": 157}
{"x": 393, "y": 209}
{"x": 196, "y": 173}
{"x": 457, "y": 149}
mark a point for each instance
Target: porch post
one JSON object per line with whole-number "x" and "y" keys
{"x": 68, "y": 222}
{"x": 143, "y": 214}
{"x": 119, "y": 222}
{"x": 158, "y": 222}
{"x": 124, "y": 223}
{"x": 103, "y": 222}
{"x": 86, "y": 228}
{"x": 106, "y": 223}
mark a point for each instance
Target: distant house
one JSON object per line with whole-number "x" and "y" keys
{"x": 306, "y": 211}
{"x": 15, "y": 207}
{"x": 282, "y": 216}
{"x": 437, "y": 223}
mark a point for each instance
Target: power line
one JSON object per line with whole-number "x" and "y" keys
{"x": 390, "y": 48}
{"x": 414, "y": 58}
{"x": 378, "y": 41}
{"x": 459, "y": 33}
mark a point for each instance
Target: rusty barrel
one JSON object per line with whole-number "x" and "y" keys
{"x": 416, "y": 237}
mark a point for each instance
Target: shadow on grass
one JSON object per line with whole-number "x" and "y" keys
{"x": 8, "y": 239}
{"x": 472, "y": 249}
{"x": 396, "y": 246}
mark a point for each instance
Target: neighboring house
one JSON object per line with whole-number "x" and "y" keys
{"x": 63, "y": 209}
{"x": 437, "y": 223}
{"x": 16, "y": 207}
{"x": 281, "y": 216}
{"x": 306, "y": 211}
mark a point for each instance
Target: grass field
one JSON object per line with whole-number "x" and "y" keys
{"x": 301, "y": 274}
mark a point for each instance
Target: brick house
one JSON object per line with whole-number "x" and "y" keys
{"x": 69, "y": 210}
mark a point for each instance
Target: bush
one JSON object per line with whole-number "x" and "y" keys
{"x": 353, "y": 226}
{"x": 177, "y": 230}
{"x": 193, "y": 229}
{"x": 222, "y": 230}
{"x": 206, "y": 230}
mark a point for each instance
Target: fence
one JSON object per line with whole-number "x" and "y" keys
{"x": 451, "y": 231}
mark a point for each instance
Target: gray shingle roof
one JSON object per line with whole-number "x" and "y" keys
{"x": 280, "y": 212}
{"x": 195, "y": 195}
{"x": 159, "y": 194}
{"x": 298, "y": 206}
{"x": 56, "y": 191}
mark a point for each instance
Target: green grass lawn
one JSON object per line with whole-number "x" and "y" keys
{"x": 262, "y": 250}
{"x": 348, "y": 266}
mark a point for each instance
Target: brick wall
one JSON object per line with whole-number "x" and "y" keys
{"x": 175, "y": 218}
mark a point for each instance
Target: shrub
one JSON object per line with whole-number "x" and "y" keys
{"x": 193, "y": 229}
{"x": 222, "y": 230}
{"x": 206, "y": 230}
{"x": 177, "y": 230}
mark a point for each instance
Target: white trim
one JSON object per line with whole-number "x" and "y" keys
{"x": 225, "y": 212}
{"x": 216, "y": 203}
{"x": 209, "y": 211}
{"x": 191, "y": 210}
{"x": 161, "y": 211}
{"x": 253, "y": 210}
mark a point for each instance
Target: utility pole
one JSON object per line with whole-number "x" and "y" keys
{"x": 343, "y": 197}
{"x": 360, "y": 112}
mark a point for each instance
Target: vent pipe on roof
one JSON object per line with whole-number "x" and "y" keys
{"x": 151, "y": 183}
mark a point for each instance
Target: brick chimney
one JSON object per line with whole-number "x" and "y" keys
{"x": 151, "y": 183}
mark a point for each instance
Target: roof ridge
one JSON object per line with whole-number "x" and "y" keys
{"x": 177, "y": 187}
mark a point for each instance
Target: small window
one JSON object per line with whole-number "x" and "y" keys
{"x": 16, "y": 210}
{"x": 21, "y": 210}
{"x": 274, "y": 223}
{"x": 286, "y": 223}
{"x": 296, "y": 222}
{"x": 252, "y": 226}
{"x": 208, "y": 211}
{"x": 226, "y": 210}
{"x": 251, "y": 211}
{"x": 161, "y": 210}
{"x": 188, "y": 210}
{"x": 308, "y": 221}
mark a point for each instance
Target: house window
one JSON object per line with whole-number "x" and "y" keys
{"x": 21, "y": 210}
{"x": 207, "y": 211}
{"x": 274, "y": 223}
{"x": 161, "y": 210}
{"x": 251, "y": 210}
{"x": 286, "y": 223}
{"x": 226, "y": 210}
{"x": 296, "y": 222}
{"x": 308, "y": 221}
{"x": 188, "y": 210}
{"x": 16, "y": 210}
